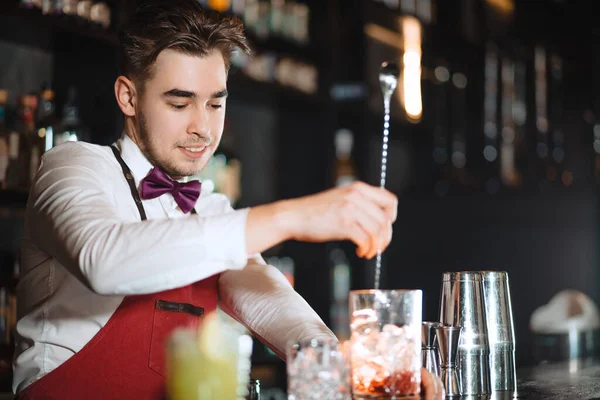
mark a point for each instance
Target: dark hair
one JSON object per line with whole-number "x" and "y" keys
{"x": 181, "y": 25}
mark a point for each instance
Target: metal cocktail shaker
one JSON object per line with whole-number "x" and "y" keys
{"x": 463, "y": 304}
{"x": 429, "y": 350}
{"x": 500, "y": 329}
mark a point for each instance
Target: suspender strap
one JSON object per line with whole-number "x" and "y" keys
{"x": 131, "y": 182}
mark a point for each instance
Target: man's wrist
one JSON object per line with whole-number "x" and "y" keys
{"x": 286, "y": 220}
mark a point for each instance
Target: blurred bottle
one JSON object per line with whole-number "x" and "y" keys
{"x": 441, "y": 140}
{"x": 54, "y": 7}
{"x": 344, "y": 170}
{"x": 251, "y": 15}
{"x": 84, "y": 9}
{"x": 8, "y": 314}
{"x": 238, "y": 7}
{"x": 344, "y": 174}
{"x": 19, "y": 145}
{"x": 71, "y": 127}
{"x": 100, "y": 14}
{"x": 542, "y": 119}
{"x": 69, "y": 7}
{"x": 277, "y": 12}
{"x": 340, "y": 288}
{"x": 4, "y": 138}
{"x": 31, "y": 4}
{"x": 490, "y": 119}
{"x": 47, "y": 121}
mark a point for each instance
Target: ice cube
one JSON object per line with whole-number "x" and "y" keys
{"x": 364, "y": 322}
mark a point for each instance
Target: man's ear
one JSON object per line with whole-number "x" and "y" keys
{"x": 126, "y": 95}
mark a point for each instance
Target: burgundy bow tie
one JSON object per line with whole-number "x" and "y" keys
{"x": 158, "y": 183}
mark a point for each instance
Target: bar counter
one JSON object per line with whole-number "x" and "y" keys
{"x": 578, "y": 380}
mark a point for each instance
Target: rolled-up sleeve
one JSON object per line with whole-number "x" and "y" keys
{"x": 261, "y": 299}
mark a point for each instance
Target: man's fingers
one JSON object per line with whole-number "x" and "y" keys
{"x": 383, "y": 198}
{"x": 432, "y": 386}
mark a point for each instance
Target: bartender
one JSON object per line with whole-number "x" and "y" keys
{"x": 120, "y": 248}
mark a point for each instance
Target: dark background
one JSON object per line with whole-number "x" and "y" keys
{"x": 542, "y": 232}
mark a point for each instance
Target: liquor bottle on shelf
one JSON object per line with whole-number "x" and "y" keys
{"x": 301, "y": 21}
{"x": 542, "y": 121}
{"x": 564, "y": 176}
{"x": 47, "y": 122}
{"x": 345, "y": 170}
{"x": 508, "y": 172}
{"x": 52, "y": 7}
{"x": 19, "y": 146}
{"x": 490, "y": 120}
{"x": 238, "y": 7}
{"x": 71, "y": 127}
{"x": 277, "y": 13}
{"x": 84, "y": 9}
{"x": 340, "y": 287}
{"x": 251, "y": 15}
{"x": 441, "y": 150}
{"x": 340, "y": 272}
{"x": 519, "y": 116}
{"x": 69, "y": 7}
{"x": 459, "y": 130}
{"x": 100, "y": 14}
{"x": 262, "y": 27}
{"x": 4, "y": 138}
{"x": 31, "y": 4}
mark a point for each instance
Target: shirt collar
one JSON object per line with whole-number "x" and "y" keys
{"x": 134, "y": 158}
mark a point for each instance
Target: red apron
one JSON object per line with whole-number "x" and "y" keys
{"x": 126, "y": 358}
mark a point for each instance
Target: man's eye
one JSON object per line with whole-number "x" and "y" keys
{"x": 178, "y": 106}
{"x": 216, "y": 106}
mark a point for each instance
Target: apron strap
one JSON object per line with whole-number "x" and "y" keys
{"x": 131, "y": 182}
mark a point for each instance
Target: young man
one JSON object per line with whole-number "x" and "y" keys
{"x": 119, "y": 249}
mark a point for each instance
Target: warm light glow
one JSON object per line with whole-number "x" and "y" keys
{"x": 410, "y": 76}
{"x": 502, "y": 6}
{"x": 219, "y": 5}
{"x": 384, "y": 35}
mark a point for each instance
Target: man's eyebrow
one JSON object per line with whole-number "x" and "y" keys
{"x": 191, "y": 95}
{"x": 179, "y": 93}
{"x": 220, "y": 94}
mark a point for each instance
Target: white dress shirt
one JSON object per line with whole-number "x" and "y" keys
{"x": 85, "y": 248}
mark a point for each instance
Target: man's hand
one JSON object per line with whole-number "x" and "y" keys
{"x": 432, "y": 386}
{"x": 358, "y": 212}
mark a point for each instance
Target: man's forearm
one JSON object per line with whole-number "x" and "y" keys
{"x": 260, "y": 298}
{"x": 268, "y": 225}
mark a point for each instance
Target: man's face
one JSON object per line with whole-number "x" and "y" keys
{"x": 181, "y": 111}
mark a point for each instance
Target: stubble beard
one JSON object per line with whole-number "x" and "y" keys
{"x": 150, "y": 152}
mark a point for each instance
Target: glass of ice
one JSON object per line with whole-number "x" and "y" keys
{"x": 385, "y": 343}
{"x": 318, "y": 369}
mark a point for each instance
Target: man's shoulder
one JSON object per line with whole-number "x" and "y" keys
{"x": 78, "y": 153}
